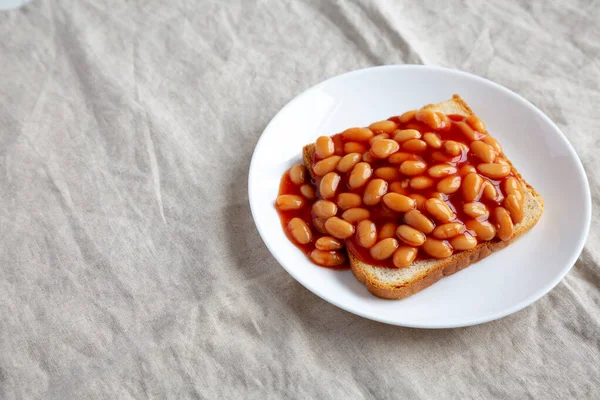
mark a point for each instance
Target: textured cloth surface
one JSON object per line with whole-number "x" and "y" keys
{"x": 130, "y": 266}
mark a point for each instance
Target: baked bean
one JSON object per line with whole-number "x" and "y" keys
{"x": 433, "y": 140}
{"x": 367, "y": 157}
{"x": 472, "y": 187}
{"x": 441, "y": 170}
{"x": 348, "y": 162}
{"x": 308, "y": 191}
{"x": 324, "y": 147}
{"x": 468, "y": 131}
{"x": 384, "y": 148}
{"x": 452, "y": 147}
{"x": 449, "y": 230}
{"x": 419, "y": 221}
{"x": 412, "y": 168}
{"x": 494, "y": 171}
{"x": 407, "y": 116}
{"x": 384, "y": 249}
{"x": 476, "y": 123}
{"x": 504, "y": 225}
{"x": 398, "y": 202}
{"x": 430, "y": 118}
{"x": 358, "y": 134}
{"x": 404, "y": 256}
{"x": 502, "y": 161}
{"x": 289, "y": 202}
{"x": 438, "y": 248}
{"x": 421, "y": 182}
{"x": 476, "y": 210}
{"x": 449, "y": 184}
{"x": 483, "y": 151}
{"x": 324, "y": 209}
{"x": 354, "y": 147}
{"x": 329, "y": 185}
{"x": 492, "y": 142}
{"x": 328, "y": 243}
{"x": 359, "y": 175}
{"x": 328, "y": 258}
{"x": 326, "y": 165}
{"x": 319, "y": 225}
{"x": 437, "y": 195}
{"x": 348, "y": 200}
{"x": 375, "y": 191}
{"x": 398, "y": 187}
{"x": 399, "y": 158}
{"x": 445, "y": 120}
{"x": 388, "y": 230}
{"x": 300, "y": 231}
{"x": 463, "y": 242}
{"x": 410, "y": 235}
{"x": 339, "y": 228}
{"x": 466, "y": 169}
{"x": 366, "y": 234}
{"x": 414, "y": 145}
{"x": 414, "y": 125}
{"x": 379, "y": 137}
{"x": 484, "y": 230}
{"x": 383, "y": 126}
{"x": 419, "y": 200}
{"x": 357, "y": 214}
{"x": 440, "y": 156}
{"x": 298, "y": 174}
{"x": 387, "y": 173}
{"x": 514, "y": 207}
{"x": 489, "y": 190}
{"x": 513, "y": 186}
{"x": 439, "y": 210}
{"x": 403, "y": 135}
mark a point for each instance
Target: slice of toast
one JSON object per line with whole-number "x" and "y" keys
{"x": 391, "y": 283}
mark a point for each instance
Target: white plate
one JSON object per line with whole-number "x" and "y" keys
{"x": 503, "y": 283}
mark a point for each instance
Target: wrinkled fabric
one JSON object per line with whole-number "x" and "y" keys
{"x": 130, "y": 266}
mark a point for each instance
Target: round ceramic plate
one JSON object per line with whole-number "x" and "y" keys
{"x": 503, "y": 283}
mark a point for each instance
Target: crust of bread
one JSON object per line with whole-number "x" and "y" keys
{"x": 448, "y": 266}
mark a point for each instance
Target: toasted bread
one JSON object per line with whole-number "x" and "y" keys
{"x": 391, "y": 283}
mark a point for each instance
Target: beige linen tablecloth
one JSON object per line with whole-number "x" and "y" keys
{"x": 130, "y": 266}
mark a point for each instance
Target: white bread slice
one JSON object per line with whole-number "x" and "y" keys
{"x": 390, "y": 283}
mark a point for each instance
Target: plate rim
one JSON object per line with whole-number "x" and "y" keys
{"x": 587, "y": 209}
